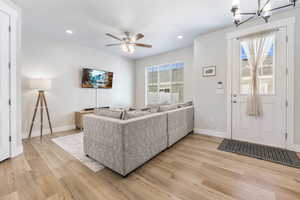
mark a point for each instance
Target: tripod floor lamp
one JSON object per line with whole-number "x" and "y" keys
{"x": 41, "y": 85}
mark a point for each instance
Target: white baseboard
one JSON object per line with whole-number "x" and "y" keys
{"x": 15, "y": 151}
{"x": 47, "y": 131}
{"x": 210, "y": 133}
{"x": 294, "y": 147}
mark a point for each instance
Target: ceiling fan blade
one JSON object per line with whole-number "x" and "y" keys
{"x": 115, "y": 37}
{"x": 117, "y": 44}
{"x": 143, "y": 45}
{"x": 138, "y": 37}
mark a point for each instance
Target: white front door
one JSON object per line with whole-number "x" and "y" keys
{"x": 270, "y": 128}
{"x": 4, "y": 87}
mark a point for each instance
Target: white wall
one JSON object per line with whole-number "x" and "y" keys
{"x": 62, "y": 62}
{"x": 185, "y": 55}
{"x": 210, "y": 113}
{"x": 211, "y": 49}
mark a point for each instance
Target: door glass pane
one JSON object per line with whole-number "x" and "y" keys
{"x": 245, "y": 73}
{"x": 265, "y": 74}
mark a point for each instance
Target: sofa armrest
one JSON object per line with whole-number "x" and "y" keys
{"x": 124, "y": 145}
{"x": 180, "y": 123}
{"x": 144, "y": 137}
{"x": 103, "y": 141}
{"x": 105, "y": 130}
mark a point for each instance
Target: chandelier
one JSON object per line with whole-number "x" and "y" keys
{"x": 264, "y": 11}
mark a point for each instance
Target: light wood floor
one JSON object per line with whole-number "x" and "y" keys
{"x": 193, "y": 169}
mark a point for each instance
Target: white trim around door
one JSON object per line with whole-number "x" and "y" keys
{"x": 289, "y": 23}
{"x": 16, "y": 146}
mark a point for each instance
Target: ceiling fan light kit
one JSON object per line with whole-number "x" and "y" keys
{"x": 128, "y": 43}
{"x": 128, "y": 48}
{"x": 264, "y": 11}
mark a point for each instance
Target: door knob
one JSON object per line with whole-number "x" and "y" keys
{"x": 233, "y": 101}
{"x": 234, "y": 95}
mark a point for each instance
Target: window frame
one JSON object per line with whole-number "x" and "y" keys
{"x": 158, "y": 77}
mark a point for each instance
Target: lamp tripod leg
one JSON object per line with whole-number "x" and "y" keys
{"x": 48, "y": 115}
{"x": 42, "y": 113}
{"x": 34, "y": 114}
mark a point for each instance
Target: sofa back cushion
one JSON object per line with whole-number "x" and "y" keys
{"x": 146, "y": 109}
{"x": 186, "y": 104}
{"x": 113, "y": 113}
{"x": 167, "y": 107}
{"x": 134, "y": 114}
{"x": 155, "y": 107}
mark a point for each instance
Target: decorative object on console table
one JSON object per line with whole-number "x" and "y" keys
{"x": 209, "y": 71}
{"x": 41, "y": 85}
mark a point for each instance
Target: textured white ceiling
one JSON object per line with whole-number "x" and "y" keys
{"x": 160, "y": 20}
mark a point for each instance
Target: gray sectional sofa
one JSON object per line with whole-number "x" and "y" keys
{"x": 124, "y": 145}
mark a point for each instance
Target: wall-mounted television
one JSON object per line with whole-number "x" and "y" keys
{"x": 94, "y": 78}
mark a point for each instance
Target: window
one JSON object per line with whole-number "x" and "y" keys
{"x": 265, "y": 74}
{"x": 164, "y": 83}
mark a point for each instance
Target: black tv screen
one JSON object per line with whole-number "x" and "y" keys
{"x": 94, "y": 78}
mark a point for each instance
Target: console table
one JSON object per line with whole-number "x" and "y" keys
{"x": 79, "y": 117}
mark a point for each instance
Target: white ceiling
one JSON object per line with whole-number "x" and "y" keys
{"x": 161, "y": 21}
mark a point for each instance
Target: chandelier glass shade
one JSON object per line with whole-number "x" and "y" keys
{"x": 264, "y": 11}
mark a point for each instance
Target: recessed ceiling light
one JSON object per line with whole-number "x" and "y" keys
{"x": 69, "y": 31}
{"x": 179, "y": 37}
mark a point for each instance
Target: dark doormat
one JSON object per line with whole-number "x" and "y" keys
{"x": 273, "y": 154}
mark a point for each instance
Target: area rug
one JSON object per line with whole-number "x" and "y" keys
{"x": 276, "y": 155}
{"x": 73, "y": 144}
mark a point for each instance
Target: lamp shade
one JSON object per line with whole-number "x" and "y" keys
{"x": 40, "y": 84}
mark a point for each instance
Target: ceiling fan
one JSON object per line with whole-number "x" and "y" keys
{"x": 128, "y": 43}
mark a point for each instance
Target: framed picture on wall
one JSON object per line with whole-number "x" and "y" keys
{"x": 209, "y": 71}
